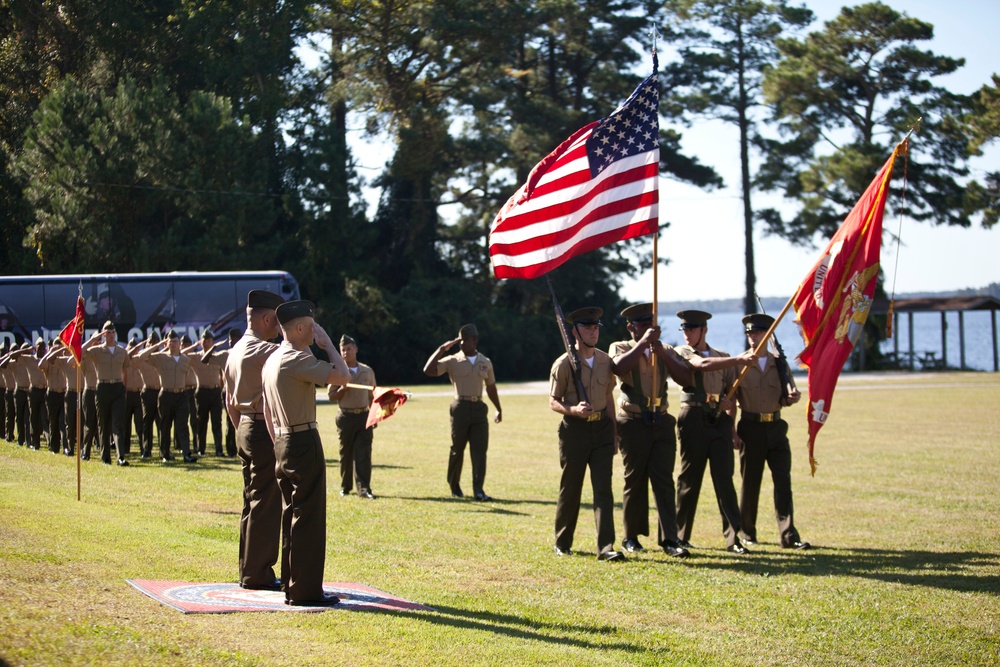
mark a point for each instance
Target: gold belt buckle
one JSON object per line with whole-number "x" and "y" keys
{"x": 767, "y": 417}
{"x": 594, "y": 417}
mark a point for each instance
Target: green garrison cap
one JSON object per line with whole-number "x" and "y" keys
{"x": 348, "y": 340}
{"x": 757, "y": 322}
{"x": 468, "y": 331}
{"x": 693, "y": 318}
{"x": 259, "y": 298}
{"x": 588, "y": 316}
{"x": 640, "y": 312}
{"x": 292, "y": 310}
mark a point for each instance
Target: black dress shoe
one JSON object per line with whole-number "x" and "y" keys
{"x": 122, "y": 462}
{"x": 326, "y": 601}
{"x": 674, "y": 549}
{"x": 750, "y": 541}
{"x": 611, "y": 556}
{"x": 273, "y": 586}
{"x": 345, "y": 492}
{"x": 106, "y": 462}
{"x": 800, "y": 546}
{"x": 482, "y": 497}
{"x": 456, "y": 491}
{"x": 632, "y": 546}
{"x": 737, "y": 548}
{"x": 85, "y": 457}
{"x": 190, "y": 459}
{"x": 563, "y": 552}
{"x": 165, "y": 459}
{"x": 218, "y": 452}
{"x": 367, "y": 494}
{"x": 684, "y": 544}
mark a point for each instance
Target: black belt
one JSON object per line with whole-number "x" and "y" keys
{"x": 171, "y": 391}
{"x": 470, "y": 399}
{"x": 354, "y": 411}
{"x": 762, "y": 417}
{"x": 109, "y": 382}
{"x": 288, "y": 430}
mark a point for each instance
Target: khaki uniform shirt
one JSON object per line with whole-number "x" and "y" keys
{"x": 7, "y": 378}
{"x": 109, "y": 362}
{"x": 172, "y": 371}
{"x": 355, "y": 399}
{"x": 716, "y": 383}
{"x": 760, "y": 390}
{"x": 133, "y": 378}
{"x": 55, "y": 373}
{"x": 468, "y": 380}
{"x": 36, "y": 378}
{"x": 598, "y": 380}
{"x": 625, "y": 409}
{"x": 150, "y": 376}
{"x": 209, "y": 376}
{"x": 244, "y": 365}
{"x": 71, "y": 371}
{"x": 190, "y": 379}
{"x": 21, "y": 378}
{"x": 290, "y": 378}
{"x": 89, "y": 372}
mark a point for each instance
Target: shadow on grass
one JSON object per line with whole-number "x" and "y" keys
{"x": 517, "y": 627}
{"x": 962, "y": 571}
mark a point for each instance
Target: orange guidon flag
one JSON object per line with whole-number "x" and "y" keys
{"x": 384, "y": 403}
{"x": 72, "y": 333}
{"x": 833, "y": 301}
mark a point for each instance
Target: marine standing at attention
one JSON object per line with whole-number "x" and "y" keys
{"x": 587, "y": 435}
{"x": 646, "y": 434}
{"x": 468, "y": 370}
{"x": 761, "y": 437}
{"x": 705, "y": 426}
{"x": 260, "y": 520}
{"x": 355, "y": 437}
{"x": 290, "y": 377}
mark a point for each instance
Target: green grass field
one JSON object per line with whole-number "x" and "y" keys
{"x": 904, "y": 513}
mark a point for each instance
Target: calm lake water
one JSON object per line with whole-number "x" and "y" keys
{"x": 725, "y": 332}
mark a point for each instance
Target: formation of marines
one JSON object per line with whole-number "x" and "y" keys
{"x": 268, "y": 392}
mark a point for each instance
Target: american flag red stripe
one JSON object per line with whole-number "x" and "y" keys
{"x": 598, "y": 187}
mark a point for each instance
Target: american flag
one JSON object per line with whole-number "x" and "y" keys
{"x": 598, "y": 187}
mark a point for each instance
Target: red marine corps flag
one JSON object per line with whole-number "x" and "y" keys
{"x": 598, "y": 187}
{"x": 72, "y": 333}
{"x": 832, "y": 303}
{"x": 385, "y": 400}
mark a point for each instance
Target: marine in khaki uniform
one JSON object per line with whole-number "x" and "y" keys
{"x": 290, "y": 376}
{"x": 21, "y": 386}
{"x": 208, "y": 395}
{"x": 762, "y": 437}
{"x": 133, "y": 400}
{"x": 110, "y": 360}
{"x": 150, "y": 395}
{"x": 37, "y": 388}
{"x": 646, "y": 434}
{"x": 355, "y": 437}
{"x": 6, "y": 396}
{"x": 260, "y": 520}
{"x": 190, "y": 387}
{"x": 172, "y": 367}
{"x": 468, "y": 370}
{"x": 89, "y": 370}
{"x": 220, "y": 357}
{"x": 587, "y": 436}
{"x": 55, "y": 397}
{"x": 705, "y": 426}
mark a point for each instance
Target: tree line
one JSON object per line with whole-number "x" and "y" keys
{"x": 190, "y": 136}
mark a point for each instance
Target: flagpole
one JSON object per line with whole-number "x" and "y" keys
{"x": 79, "y": 430}
{"x": 654, "y": 399}
{"x": 761, "y": 345}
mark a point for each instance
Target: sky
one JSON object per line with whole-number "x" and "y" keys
{"x": 705, "y": 243}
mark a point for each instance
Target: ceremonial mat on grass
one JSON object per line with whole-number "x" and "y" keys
{"x": 212, "y": 598}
